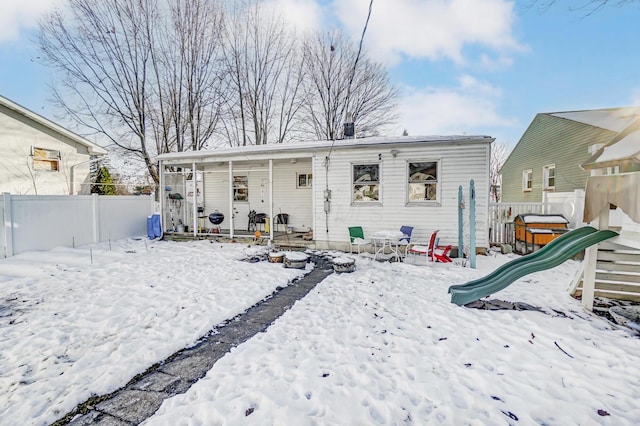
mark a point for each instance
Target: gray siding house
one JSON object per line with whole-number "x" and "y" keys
{"x": 326, "y": 186}
{"x": 549, "y": 154}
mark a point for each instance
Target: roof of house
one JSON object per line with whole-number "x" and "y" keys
{"x": 316, "y": 145}
{"x": 614, "y": 119}
{"x": 623, "y": 148}
{"x": 92, "y": 148}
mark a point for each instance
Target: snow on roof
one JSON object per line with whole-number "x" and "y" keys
{"x": 546, "y": 231}
{"x": 614, "y": 119}
{"x": 624, "y": 147}
{"x": 547, "y": 218}
{"x": 316, "y": 145}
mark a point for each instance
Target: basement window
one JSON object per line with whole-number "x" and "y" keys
{"x": 47, "y": 160}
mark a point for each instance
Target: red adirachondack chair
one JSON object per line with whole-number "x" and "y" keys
{"x": 431, "y": 252}
{"x": 441, "y": 254}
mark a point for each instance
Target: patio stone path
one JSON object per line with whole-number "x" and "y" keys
{"x": 144, "y": 394}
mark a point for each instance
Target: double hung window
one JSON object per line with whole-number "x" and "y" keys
{"x": 527, "y": 180}
{"x": 423, "y": 181}
{"x": 366, "y": 183}
{"x": 549, "y": 176}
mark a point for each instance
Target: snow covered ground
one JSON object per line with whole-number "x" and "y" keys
{"x": 382, "y": 345}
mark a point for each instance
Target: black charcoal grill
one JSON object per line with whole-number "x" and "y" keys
{"x": 216, "y": 218}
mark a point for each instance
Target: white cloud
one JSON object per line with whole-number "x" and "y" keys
{"x": 431, "y": 29}
{"x": 469, "y": 108}
{"x": 18, "y": 15}
{"x": 304, "y": 15}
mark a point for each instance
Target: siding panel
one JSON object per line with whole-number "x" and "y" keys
{"x": 550, "y": 140}
{"x": 458, "y": 166}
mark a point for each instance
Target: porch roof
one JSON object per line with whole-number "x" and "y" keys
{"x": 307, "y": 149}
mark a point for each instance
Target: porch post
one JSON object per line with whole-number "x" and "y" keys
{"x": 271, "y": 199}
{"x": 161, "y": 191}
{"x": 194, "y": 175}
{"x": 230, "y": 199}
{"x": 313, "y": 196}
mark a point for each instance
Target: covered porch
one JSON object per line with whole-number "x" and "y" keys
{"x": 223, "y": 194}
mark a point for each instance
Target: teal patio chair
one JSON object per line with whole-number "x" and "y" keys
{"x": 356, "y": 238}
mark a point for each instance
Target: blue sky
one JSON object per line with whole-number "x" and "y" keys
{"x": 463, "y": 66}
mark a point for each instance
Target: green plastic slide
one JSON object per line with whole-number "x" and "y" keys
{"x": 553, "y": 254}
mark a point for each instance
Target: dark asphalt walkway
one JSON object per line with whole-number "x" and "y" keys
{"x": 143, "y": 395}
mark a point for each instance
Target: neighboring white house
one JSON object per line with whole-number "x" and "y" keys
{"x": 327, "y": 186}
{"x": 39, "y": 157}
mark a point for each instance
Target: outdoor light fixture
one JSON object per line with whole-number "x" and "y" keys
{"x": 394, "y": 153}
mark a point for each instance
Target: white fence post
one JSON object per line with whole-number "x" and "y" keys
{"x": 96, "y": 218}
{"x": 7, "y": 223}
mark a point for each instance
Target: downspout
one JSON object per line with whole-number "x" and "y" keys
{"x": 72, "y": 172}
{"x": 327, "y": 195}
{"x": 270, "y": 200}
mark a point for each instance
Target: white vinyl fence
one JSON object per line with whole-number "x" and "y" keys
{"x": 42, "y": 222}
{"x": 501, "y": 215}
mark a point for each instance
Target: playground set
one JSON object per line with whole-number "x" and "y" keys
{"x": 611, "y": 266}
{"x": 559, "y": 247}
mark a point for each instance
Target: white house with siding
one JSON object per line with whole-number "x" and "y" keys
{"x": 327, "y": 186}
{"x": 39, "y": 157}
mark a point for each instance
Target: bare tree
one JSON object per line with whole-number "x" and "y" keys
{"x": 265, "y": 74}
{"x": 189, "y": 71}
{"x": 142, "y": 73}
{"x": 499, "y": 154}
{"x": 340, "y": 81}
{"x": 588, "y": 6}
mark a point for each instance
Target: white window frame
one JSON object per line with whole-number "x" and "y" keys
{"x": 438, "y": 183}
{"x": 614, "y": 170}
{"x": 45, "y": 160}
{"x": 546, "y": 186}
{"x": 527, "y": 176}
{"x": 237, "y": 181}
{"x": 308, "y": 180}
{"x": 378, "y": 183}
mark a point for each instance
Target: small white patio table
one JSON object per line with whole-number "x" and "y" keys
{"x": 387, "y": 238}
